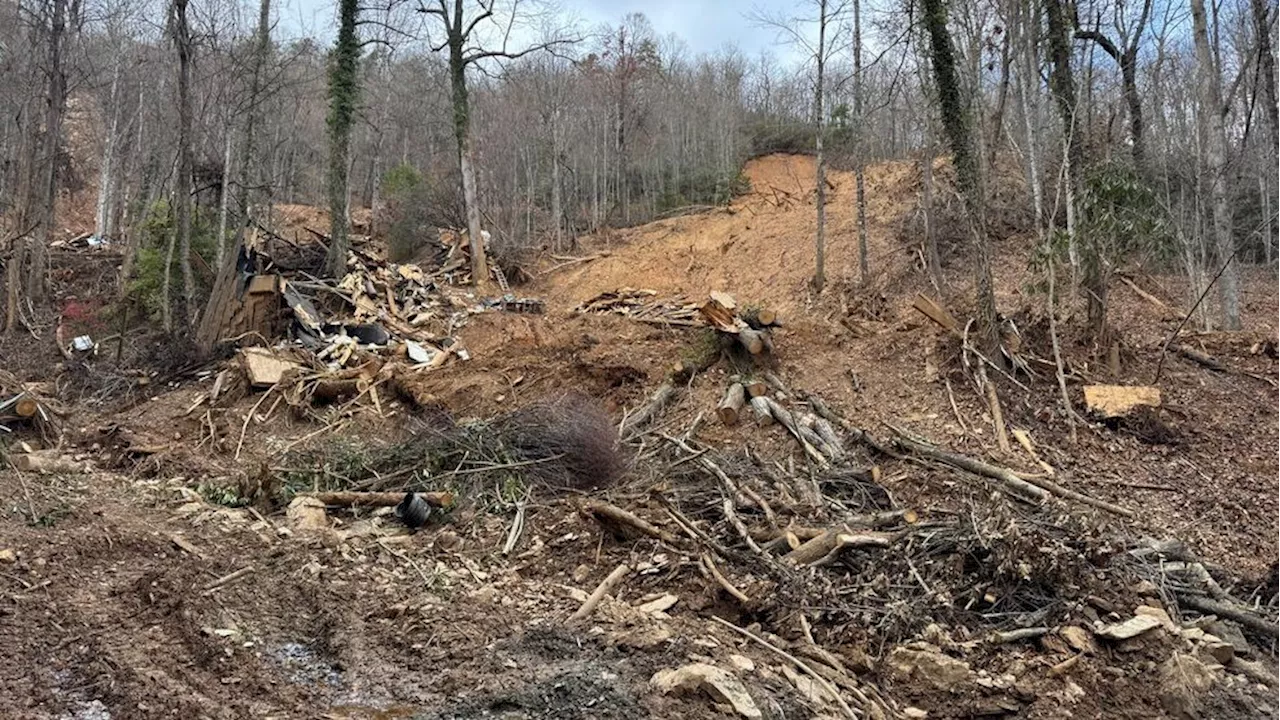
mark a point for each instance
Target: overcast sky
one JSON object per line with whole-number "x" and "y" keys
{"x": 704, "y": 25}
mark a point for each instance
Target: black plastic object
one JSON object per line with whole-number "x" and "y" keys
{"x": 413, "y": 510}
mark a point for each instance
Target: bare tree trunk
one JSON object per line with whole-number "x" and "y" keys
{"x": 819, "y": 277}
{"x": 930, "y": 235}
{"x": 1267, "y": 231}
{"x": 556, "y": 211}
{"x": 37, "y": 255}
{"x": 166, "y": 286}
{"x": 860, "y": 149}
{"x": 1262, "y": 14}
{"x": 1211, "y": 111}
{"x": 251, "y": 166}
{"x": 106, "y": 174}
{"x": 1127, "y": 59}
{"x": 223, "y": 200}
{"x": 462, "y": 131}
{"x": 181, "y": 34}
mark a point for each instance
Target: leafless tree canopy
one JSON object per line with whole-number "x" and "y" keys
{"x": 115, "y": 113}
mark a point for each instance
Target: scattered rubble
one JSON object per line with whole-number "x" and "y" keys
{"x": 718, "y": 684}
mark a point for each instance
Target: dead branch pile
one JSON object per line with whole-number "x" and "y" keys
{"x": 564, "y": 442}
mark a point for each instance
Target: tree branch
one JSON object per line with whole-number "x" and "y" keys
{"x": 1103, "y": 42}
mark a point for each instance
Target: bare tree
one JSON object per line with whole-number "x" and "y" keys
{"x": 180, "y": 32}
{"x": 1126, "y": 56}
{"x": 1209, "y": 86}
{"x": 793, "y": 29}
{"x": 464, "y": 53}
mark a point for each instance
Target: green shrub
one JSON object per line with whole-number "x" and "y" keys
{"x": 146, "y": 285}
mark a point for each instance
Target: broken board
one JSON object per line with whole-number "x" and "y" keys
{"x": 263, "y": 367}
{"x": 1111, "y": 401}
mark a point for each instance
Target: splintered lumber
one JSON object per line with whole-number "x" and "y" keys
{"x": 1111, "y": 401}
{"x": 349, "y": 498}
{"x": 730, "y": 407}
{"x": 760, "y": 407}
{"x": 644, "y": 414}
{"x": 616, "y": 516}
{"x": 936, "y": 313}
{"x": 720, "y": 312}
{"x": 601, "y": 590}
{"x": 831, "y": 542}
{"x": 1014, "y": 484}
{"x": 784, "y": 417}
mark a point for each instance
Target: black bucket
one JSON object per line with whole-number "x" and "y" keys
{"x": 413, "y": 510}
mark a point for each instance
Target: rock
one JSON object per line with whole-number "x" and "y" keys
{"x": 1193, "y": 634}
{"x": 718, "y": 684}
{"x": 1145, "y": 588}
{"x": 659, "y": 605}
{"x": 915, "y": 713}
{"x": 809, "y": 689}
{"x": 1211, "y": 646}
{"x": 1252, "y": 670}
{"x": 307, "y": 513}
{"x": 1159, "y": 614}
{"x": 645, "y": 638}
{"x": 1079, "y": 639}
{"x": 1131, "y": 628}
{"x": 1184, "y": 680}
{"x": 7, "y": 555}
{"x": 742, "y": 662}
{"x": 941, "y": 671}
{"x": 1229, "y": 632}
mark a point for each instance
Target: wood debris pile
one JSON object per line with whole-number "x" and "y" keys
{"x": 643, "y": 306}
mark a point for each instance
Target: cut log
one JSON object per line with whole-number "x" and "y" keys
{"x": 1196, "y": 356}
{"x": 1231, "y": 611}
{"x": 637, "y": 419}
{"x": 760, "y": 318}
{"x": 619, "y": 518}
{"x": 833, "y": 541}
{"x": 349, "y": 498}
{"x": 760, "y": 406}
{"x": 47, "y": 463}
{"x": 26, "y": 406}
{"x": 756, "y": 388}
{"x": 730, "y": 407}
{"x": 784, "y": 417}
{"x": 755, "y": 341}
